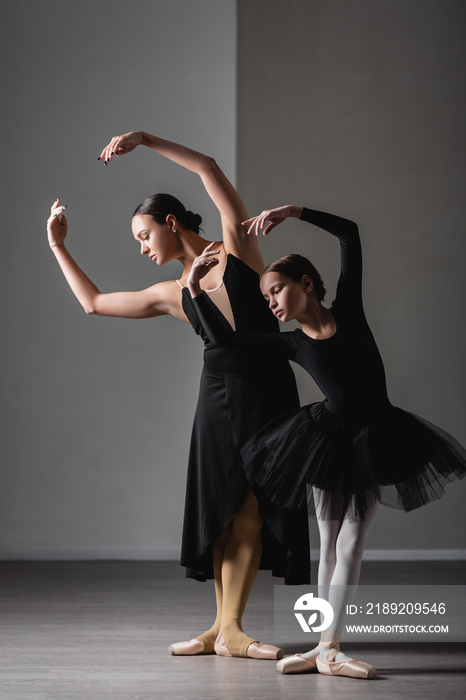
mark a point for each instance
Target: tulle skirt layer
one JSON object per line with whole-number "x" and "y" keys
{"x": 395, "y": 457}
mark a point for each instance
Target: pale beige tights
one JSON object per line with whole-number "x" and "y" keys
{"x": 236, "y": 557}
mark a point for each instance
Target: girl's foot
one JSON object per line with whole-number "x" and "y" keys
{"x": 351, "y": 668}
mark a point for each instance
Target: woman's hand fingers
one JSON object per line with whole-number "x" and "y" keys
{"x": 109, "y": 151}
{"x": 57, "y": 225}
{"x": 57, "y": 209}
{"x": 119, "y": 145}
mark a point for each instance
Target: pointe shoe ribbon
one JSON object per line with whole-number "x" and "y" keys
{"x": 194, "y": 647}
{"x": 297, "y": 664}
{"x": 351, "y": 669}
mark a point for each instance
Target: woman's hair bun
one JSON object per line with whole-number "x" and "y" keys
{"x": 193, "y": 221}
{"x": 159, "y": 206}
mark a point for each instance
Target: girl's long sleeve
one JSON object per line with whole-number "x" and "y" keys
{"x": 350, "y": 282}
{"x": 281, "y": 344}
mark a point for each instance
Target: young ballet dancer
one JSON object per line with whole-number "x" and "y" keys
{"x": 225, "y": 535}
{"x": 354, "y": 448}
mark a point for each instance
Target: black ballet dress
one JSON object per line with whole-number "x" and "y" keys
{"x": 237, "y": 398}
{"x": 354, "y": 446}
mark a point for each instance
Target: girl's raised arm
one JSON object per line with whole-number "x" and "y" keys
{"x": 219, "y": 188}
{"x": 153, "y": 301}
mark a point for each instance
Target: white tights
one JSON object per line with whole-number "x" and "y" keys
{"x": 341, "y": 549}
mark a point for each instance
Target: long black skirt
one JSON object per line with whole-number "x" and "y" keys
{"x": 231, "y": 410}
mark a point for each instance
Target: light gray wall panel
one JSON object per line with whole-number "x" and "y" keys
{"x": 98, "y": 412}
{"x": 358, "y": 108}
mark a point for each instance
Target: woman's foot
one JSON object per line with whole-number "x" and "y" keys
{"x": 248, "y": 648}
{"x": 203, "y": 644}
{"x": 297, "y": 664}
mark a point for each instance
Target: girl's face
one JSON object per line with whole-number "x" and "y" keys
{"x": 157, "y": 241}
{"x": 287, "y": 298}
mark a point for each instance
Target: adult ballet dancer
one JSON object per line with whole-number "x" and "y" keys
{"x": 225, "y": 535}
{"x": 355, "y": 449}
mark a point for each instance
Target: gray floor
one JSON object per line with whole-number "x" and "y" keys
{"x": 98, "y": 630}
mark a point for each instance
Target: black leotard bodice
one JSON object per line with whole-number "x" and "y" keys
{"x": 347, "y": 367}
{"x": 251, "y": 314}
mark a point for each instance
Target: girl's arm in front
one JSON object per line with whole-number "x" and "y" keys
{"x": 153, "y": 301}
{"x": 219, "y": 188}
{"x": 281, "y": 344}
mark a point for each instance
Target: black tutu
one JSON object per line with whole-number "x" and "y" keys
{"x": 395, "y": 457}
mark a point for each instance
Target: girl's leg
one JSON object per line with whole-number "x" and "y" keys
{"x": 349, "y": 550}
{"x": 341, "y": 550}
{"x": 328, "y": 532}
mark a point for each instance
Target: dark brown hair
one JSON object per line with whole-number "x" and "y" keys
{"x": 159, "y": 206}
{"x": 295, "y": 266}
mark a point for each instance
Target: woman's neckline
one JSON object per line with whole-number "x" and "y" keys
{"x": 222, "y": 281}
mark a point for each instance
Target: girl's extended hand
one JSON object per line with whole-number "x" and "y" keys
{"x": 267, "y": 220}
{"x": 201, "y": 266}
{"x": 57, "y": 226}
{"x": 120, "y": 145}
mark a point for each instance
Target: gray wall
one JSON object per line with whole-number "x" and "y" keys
{"x": 355, "y": 107}
{"x": 97, "y": 412}
{"x": 358, "y": 108}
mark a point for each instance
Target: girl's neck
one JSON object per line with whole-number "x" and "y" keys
{"x": 317, "y": 321}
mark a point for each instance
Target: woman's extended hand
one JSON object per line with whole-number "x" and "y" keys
{"x": 57, "y": 226}
{"x": 270, "y": 218}
{"x": 120, "y": 145}
{"x": 200, "y": 267}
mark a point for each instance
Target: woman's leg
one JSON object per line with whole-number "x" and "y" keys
{"x": 208, "y": 638}
{"x": 204, "y": 643}
{"x": 236, "y": 557}
{"x": 239, "y": 568}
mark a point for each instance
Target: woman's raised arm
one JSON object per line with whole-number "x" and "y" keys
{"x": 219, "y": 188}
{"x": 153, "y": 301}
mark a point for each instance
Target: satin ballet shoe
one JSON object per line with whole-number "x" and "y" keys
{"x": 350, "y": 669}
{"x": 297, "y": 664}
{"x": 255, "y": 650}
{"x": 195, "y": 647}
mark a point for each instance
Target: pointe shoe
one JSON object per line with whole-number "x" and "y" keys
{"x": 255, "y": 650}
{"x": 297, "y": 664}
{"x": 351, "y": 669}
{"x": 195, "y": 647}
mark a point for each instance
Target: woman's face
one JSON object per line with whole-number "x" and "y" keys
{"x": 287, "y": 299}
{"x": 158, "y": 241}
